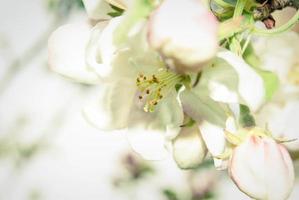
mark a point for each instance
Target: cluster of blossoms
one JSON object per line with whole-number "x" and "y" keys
{"x": 182, "y": 76}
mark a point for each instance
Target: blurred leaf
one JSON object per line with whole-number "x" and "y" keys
{"x": 116, "y": 11}
{"x": 64, "y": 6}
{"x": 170, "y": 194}
{"x": 246, "y": 119}
{"x": 271, "y": 82}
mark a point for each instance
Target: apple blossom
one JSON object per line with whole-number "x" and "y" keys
{"x": 262, "y": 168}
{"x": 185, "y": 32}
{"x": 159, "y": 65}
{"x": 134, "y": 80}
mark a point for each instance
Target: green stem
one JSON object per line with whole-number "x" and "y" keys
{"x": 239, "y": 8}
{"x": 290, "y": 24}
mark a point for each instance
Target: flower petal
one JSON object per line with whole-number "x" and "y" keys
{"x": 149, "y": 143}
{"x": 150, "y": 132}
{"x": 251, "y": 87}
{"x": 101, "y": 49}
{"x": 190, "y": 38}
{"x": 66, "y": 52}
{"x": 214, "y": 139}
{"x": 189, "y": 150}
{"x": 198, "y": 105}
{"x": 278, "y": 53}
{"x": 282, "y": 122}
{"x": 262, "y": 169}
{"x": 111, "y": 110}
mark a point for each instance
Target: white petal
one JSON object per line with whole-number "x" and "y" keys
{"x": 150, "y": 144}
{"x": 189, "y": 149}
{"x": 101, "y": 49}
{"x": 106, "y": 41}
{"x": 66, "y": 52}
{"x": 282, "y": 121}
{"x": 111, "y": 110}
{"x": 149, "y": 132}
{"x": 219, "y": 92}
{"x": 97, "y": 9}
{"x": 251, "y": 86}
{"x": 214, "y": 139}
{"x": 278, "y": 53}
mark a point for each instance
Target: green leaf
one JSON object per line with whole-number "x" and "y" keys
{"x": 250, "y": 57}
{"x": 201, "y": 107}
{"x": 271, "y": 82}
{"x": 116, "y": 11}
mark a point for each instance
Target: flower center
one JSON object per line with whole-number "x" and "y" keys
{"x": 155, "y": 87}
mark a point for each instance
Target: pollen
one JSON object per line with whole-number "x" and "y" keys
{"x": 155, "y": 87}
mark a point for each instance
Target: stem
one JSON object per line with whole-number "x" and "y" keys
{"x": 239, "y": 8}
{"x": 281, "y": 29}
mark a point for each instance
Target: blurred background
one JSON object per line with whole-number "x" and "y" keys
{"x": 48, "y": 151}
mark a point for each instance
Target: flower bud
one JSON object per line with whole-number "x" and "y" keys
{"x": 184, "y": 32}
{"x": 189, "y": 149}
{"x": 262, "y": 169}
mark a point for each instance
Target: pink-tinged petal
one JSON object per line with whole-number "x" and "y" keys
{"x": 66, "y": 52}
{"x": 262, "y": 169}
{"x": 189, "y": 39}
{"x": 189, "y": 149}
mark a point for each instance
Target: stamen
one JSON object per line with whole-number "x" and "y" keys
{"x": 154, "y": 87}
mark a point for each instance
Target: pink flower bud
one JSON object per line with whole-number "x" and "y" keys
{"x": 185, "y": 32}
{"x": 262, "y": 169}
